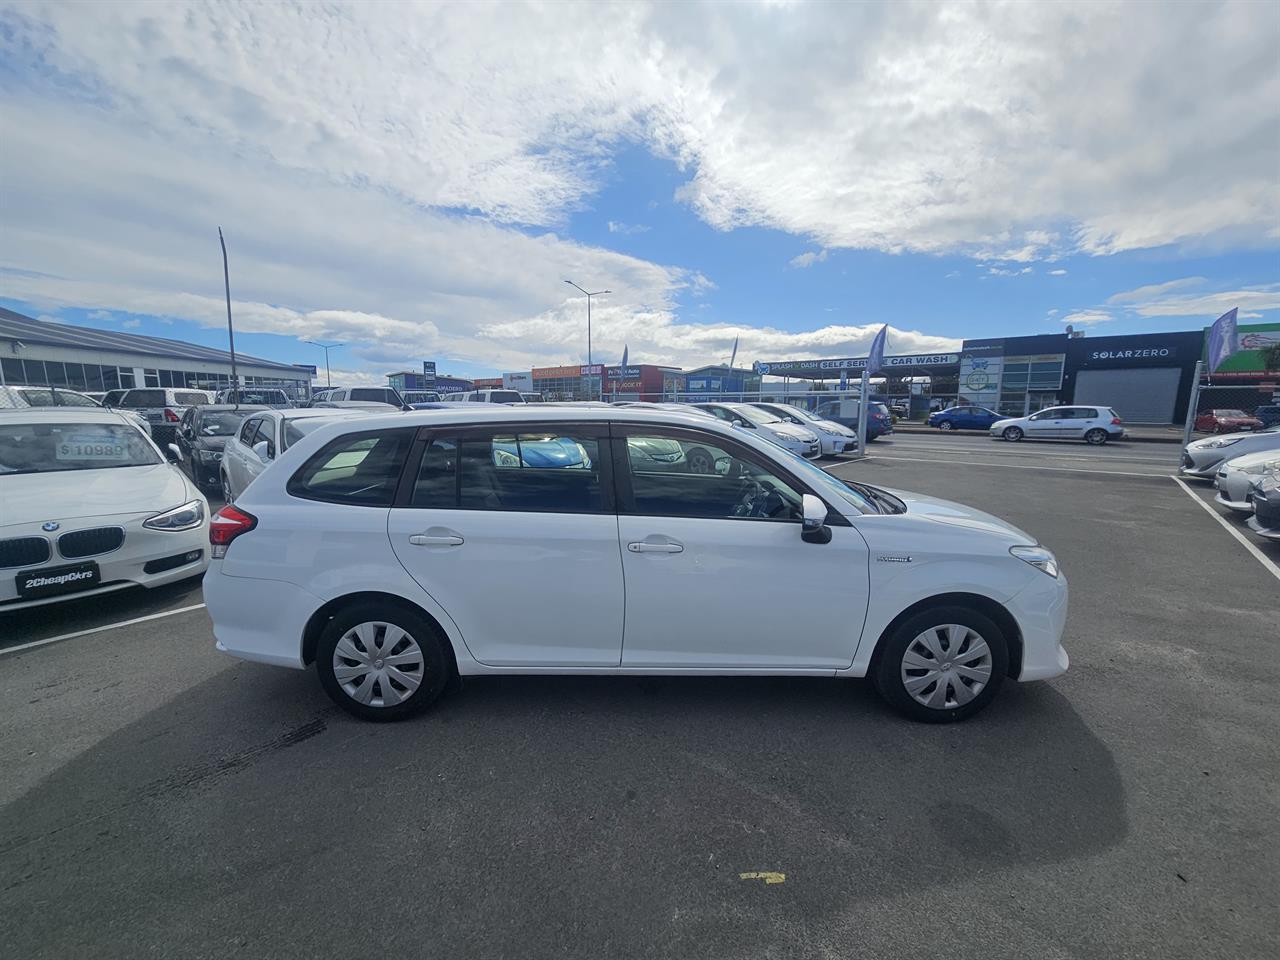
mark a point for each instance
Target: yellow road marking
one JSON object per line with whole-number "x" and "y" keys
{"x": 768, "y": 876}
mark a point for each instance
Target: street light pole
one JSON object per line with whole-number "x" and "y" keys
{"x": 589, "y": 295}
{"x": 326, "y": 347}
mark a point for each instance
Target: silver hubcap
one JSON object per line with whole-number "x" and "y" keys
{"x": 945, "y": 425}
{"x": 378, "y": 664}
{"x": 946, "y": 666}
{"x": 700, "y": 463}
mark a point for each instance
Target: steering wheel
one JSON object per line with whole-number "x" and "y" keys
{"x": 751, "y": 496}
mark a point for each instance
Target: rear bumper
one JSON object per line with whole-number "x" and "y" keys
{"x": 258, "y": 620}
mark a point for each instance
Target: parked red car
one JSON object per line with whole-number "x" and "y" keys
{"x": 1227, "y": 421}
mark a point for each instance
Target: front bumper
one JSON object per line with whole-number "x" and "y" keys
{"x": 117, "y": 569}
{"x": 1233, "y": 490}
{"x": 1204, "y": 466}
{"x": 1270, "y": 533}
{"x": 1040, "y": 609}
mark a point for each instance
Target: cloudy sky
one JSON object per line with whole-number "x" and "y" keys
{"x": 418, "y": 181}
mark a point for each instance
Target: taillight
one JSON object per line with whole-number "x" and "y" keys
{"x": 171, "y": 416}
{"x": 1116, "y": 421}
{"x": 227, "y": 524}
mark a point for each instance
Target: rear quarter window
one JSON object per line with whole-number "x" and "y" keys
{"x": 360, "y": 469}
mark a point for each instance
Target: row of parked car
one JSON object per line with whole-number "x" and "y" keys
{"x": 1245, "y": 468}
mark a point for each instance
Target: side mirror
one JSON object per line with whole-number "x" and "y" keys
{"x": 813, "y": 526}
{"x": 173, "y": 453}
{"x": 263, "y": 450}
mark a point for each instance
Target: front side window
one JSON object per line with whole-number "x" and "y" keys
{"x": 1052, "y": 414}
{"x": 360, "y": 469}
{"x": 679, "y": 475}
{"x": 248, "y": 430}
{"x": 58, "y": 447}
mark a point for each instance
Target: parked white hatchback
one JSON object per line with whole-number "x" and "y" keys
{"x": 251, "y": 449}
{"x": 1090, "y": 423}
{"x": 88, "y": 505}
{"x": 1236, "y": 477}
{"x": 393, "y": 556}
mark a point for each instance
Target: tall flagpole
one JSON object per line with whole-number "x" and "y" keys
{"x": 231, "y": 333}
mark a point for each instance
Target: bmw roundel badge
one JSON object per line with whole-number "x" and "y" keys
{"x": 50, "y": 526}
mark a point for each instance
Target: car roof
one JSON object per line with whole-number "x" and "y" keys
{"x": 229, "y": 408}
{"x": 302, "y": 413}
{"x": 64, "y": 415}
{"x": 531, "y": 413}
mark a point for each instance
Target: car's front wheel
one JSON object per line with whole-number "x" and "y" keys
{"x": 942, "y": 665}
{"x": 382, "y": 661}
{"x": 1096, "y": 436}
{"x": 1012, "y": 434}
{"x": 944, "y": 425}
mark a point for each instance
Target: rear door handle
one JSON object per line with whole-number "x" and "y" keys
{"x": 648, "y": 546}
{"x": 436, "y": 540}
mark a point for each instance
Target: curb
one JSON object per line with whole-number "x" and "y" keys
{"x": 1131, "y": 438}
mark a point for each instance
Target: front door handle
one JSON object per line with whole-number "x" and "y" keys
{"x": 648, "y": 546}
{"x": 436, "y": 540}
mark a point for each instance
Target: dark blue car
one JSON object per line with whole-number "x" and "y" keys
{"x": 964, "y": 418}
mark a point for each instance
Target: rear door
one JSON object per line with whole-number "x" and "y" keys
{"x": 717, "y": 575}
{"x": 512, "y": 530}
{"x": 1077, "y": 420}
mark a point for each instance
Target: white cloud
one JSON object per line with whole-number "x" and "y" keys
{"x": 1007, "y": 271}
{"x": 1155, "y": 290}
{"x": 1057, "y": 273}
{"x": 1087, "y": 318}
{"x": 1165, "y": 300}
{"x": 1051, "y": 313}
{"x": 133, "y": 324}
{"x": 616, "y": 226}
{"x": 906, "y": 127}
{"x": 808, "y": 259}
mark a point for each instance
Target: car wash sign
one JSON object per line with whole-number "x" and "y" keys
{"x": 833, "y": 369}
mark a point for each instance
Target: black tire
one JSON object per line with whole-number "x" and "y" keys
{"x": 1097, "y": 437}
{"x": 887, "y": 671}
{"x": 435, "y": 674}
{"x": 700, "y": 461}
{"x": 945, "y": 425}
{"x": 1012, "y": 434}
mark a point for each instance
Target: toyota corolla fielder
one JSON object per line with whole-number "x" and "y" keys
{"x": 394, "y": 556}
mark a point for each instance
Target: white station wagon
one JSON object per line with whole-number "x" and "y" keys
{"x": 395, "y": 554}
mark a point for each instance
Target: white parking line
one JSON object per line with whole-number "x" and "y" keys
{"x": 1011, "y": 466}
{"x": 1258, "y": 555}
{"x": 110, "y": 626}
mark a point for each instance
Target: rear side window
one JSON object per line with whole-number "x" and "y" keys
{"x": 68, "y": 399}
{"x": 38, "y": 398}
{"x": 137, "y": 399}
{"x": 505, "y": 396}
{"x": 360, "y": 469}
{"x": 1084, "y": 413}
{"x": 372, "y": 393}
{"x": 557, "y": 470}
{"x": 189, "y": 398}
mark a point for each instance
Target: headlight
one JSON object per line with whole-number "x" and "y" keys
{"x": 1040, "y": 558}
{"x": 1215, "y": 444}
{"x": 209, "y": 456}
{"x": 189, "y": 515}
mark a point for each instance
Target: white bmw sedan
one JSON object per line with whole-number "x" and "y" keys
{"x": 88, "y": 505}
{"x": 392, "y": 556}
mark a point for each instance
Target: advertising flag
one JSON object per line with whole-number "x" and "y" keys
{"x": 875, "y": 359}
{"x": 1223, "y": 341}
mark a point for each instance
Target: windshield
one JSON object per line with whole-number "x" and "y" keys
{"x": 219, "y": 424}
{"x": 1230, "y": 413}
{"x": 58, "y": 447}
{"x": 755, "y": 415}
{"x": 829, "y": 486}
{"x": 807, "y": 415}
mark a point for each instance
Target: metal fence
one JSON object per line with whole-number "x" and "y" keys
{"x": 1245, "y": 398}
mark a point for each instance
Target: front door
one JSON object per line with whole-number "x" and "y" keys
{"x": 717, "y": 575}
{"x": 1046, "y": 424}
{"x": 511, "y": 529}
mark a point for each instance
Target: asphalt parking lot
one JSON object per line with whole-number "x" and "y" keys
{"x": 160, "y": 799}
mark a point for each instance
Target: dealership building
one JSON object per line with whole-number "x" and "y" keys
{"x": 40, "y": 353}
{"x": 1147, "y": 377}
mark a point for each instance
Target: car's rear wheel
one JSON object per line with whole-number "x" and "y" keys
{"x": 382, "y": 661}
{"x": 1097, "y": 436}
{"x": 944, "y": 425}
{"x": 1012, "y": 434}
{"x": 942, "y": 665}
